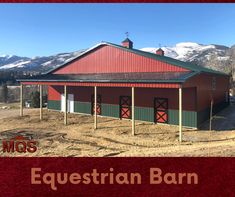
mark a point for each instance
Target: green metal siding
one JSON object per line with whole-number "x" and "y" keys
{"x": 147, "y": 114}
{"x": 110, "y": 110}
{"x": 56, "y": 105}
{"x": 189, "y": 118}
{"x": 82, "y": 107}
{"x": 144, "y": 113}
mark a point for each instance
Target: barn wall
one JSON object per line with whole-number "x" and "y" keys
{"x": 82, "y": 98}
{"x": 54, "y": 93}
{"x": 144, "y": 101}
{"x": 220, "y": 96}
{"x": 210, "y": 86}
{"x": 109, "y": 59}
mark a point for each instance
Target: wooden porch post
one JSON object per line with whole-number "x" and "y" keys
{"x": 66, "y": 106}
{"x": 95, "y": 110}
{"x": 133, "y": 110}
{"x": 41, "y": 101}
{"x": 21, "y": 99}
{"x": 180, "y": 113}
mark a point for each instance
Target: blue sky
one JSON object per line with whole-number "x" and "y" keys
{"x": 46, "y": 29}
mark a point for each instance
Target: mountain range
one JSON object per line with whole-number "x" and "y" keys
{"x": 35, "y": 64}
{"x": 213, "y": 56}
{"x": 217, "y": 57}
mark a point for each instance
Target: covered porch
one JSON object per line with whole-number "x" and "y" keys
{"x": 96, "y": 86}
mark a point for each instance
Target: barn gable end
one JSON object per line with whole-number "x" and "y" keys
{"x": 109, "y": 59}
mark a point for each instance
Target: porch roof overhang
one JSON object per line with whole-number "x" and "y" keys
{"x": 158, "y": 80}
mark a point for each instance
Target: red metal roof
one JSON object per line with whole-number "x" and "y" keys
{"x": 112, "y": 65}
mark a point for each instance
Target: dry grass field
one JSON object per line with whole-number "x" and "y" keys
{"x": 113, "y": 137}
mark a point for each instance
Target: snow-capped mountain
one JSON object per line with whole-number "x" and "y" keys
{"x": 8, "y": 59}
{"x": 189, "y": 51}
{"x": 213, "y": 56}
{"x": 39, "y": 64}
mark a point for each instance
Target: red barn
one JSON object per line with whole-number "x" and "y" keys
{"x": 123, "y": 82}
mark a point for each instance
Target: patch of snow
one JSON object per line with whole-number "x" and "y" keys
{"x": 169, "y": 52}
{"x": 223, "y": 58}
{"x": 183, "y": 51}
{"x": 61, "y": 59}
{"x": 187, "y": 44}
{"x": 6, "y": 56}
{"x": 15, "y": 64}
{"x": 207, "y": 57}
{"x": 64, "y": 55}
{"x": 46, "y": 63}
{"x": 69, "y": 59}
{"x": 149, "y": 49}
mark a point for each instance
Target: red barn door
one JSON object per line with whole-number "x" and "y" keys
{"x": 161, "y": 110}
{"x": 125, "y": 107}
{"x": 98, "y": 105}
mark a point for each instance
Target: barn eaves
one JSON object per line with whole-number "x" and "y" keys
{"x": 160, "y": 77}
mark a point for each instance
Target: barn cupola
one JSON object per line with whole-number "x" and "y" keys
{"x": 127, "y": 43}
{"x": 160, "y": 52}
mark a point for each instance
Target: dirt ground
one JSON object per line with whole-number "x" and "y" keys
{"x": 113, "y": 136}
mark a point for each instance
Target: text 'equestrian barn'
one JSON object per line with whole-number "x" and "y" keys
{"x": 122, "y": 82}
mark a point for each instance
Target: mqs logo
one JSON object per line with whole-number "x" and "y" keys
{"x": 19, "y": 144}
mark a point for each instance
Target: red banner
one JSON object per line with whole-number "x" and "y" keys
{"x": 117, "y": 176}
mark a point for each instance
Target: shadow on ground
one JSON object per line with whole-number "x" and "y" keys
{"x": 222, "y": 121}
